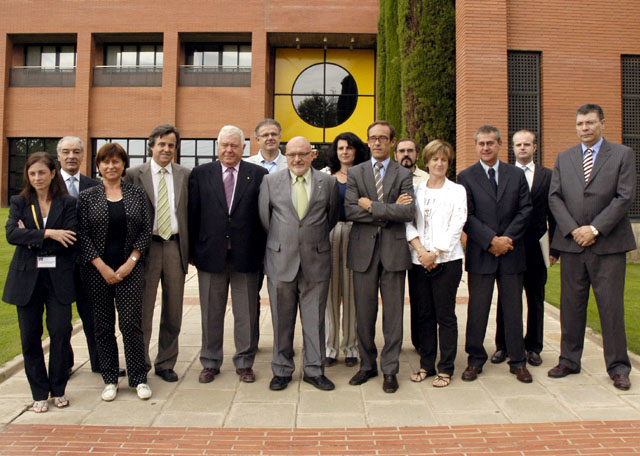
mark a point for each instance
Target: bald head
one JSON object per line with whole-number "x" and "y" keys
{"x": 299, "y": 156}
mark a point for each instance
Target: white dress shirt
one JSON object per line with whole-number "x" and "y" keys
{"x": 66, "y": 176}
{"x": 168, "y": 177}
{"x": 529, "y": 171}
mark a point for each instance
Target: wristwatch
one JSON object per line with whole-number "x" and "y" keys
{"x": 594, "y": 230}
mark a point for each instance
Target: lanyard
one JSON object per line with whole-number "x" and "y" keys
{"x": 35, "y": 218}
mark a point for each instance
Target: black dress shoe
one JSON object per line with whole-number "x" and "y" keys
{"x": 622, "y": 382}
{"x": 533, "y": 358}
{"x": 168, "y": 375}
{"x": 279, "y": 383}
{"x": 390, "y": 383}
{"x": 321, "y": 382}
{"x": 328, "y": 362}
{"x": 122, "y": 372}
{"x": 561, "y": 371}
{"x": 350, "y": 361}
{"x": 362, "y": 377}
{"x": 499, "y": 356}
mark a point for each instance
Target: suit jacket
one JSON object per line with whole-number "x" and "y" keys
{"x": 387, "y": 218}
{"x": 294, "y": 243}
{"x": 212, "y": 226}
{"x": 93, "y": 222}
{"x": 141, "y": 176}
{"x": 541, "y": 213}
{"x": 30, "y": 243}
{"x": 87, "y": 182}
{"x": 282, "y": 161}
{"x": 602, "y": 202}
{"x": 489, "y": 215}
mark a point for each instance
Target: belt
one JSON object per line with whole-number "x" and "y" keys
{"x": 155, "y": 237}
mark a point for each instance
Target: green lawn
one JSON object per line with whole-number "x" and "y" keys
{"x": 631, "y": 303}
{"x": 9, "y": 331}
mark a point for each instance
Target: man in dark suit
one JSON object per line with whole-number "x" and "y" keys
{"x": 70, "y": 151}
{"x": 379, "y": 200}
{"x": 535, "y": 278}
{"x": 227, "y": 246}
{"x": 298, "y": 206}
{"x": 499, "y": 206}
{"x": 592, "y": 187}
{"x": 168, "y": 260}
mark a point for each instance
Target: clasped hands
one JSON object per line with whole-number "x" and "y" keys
{"x": 583, "y": 236}
{"x": 501, "y": 245}
{"x": 403, "y": 199}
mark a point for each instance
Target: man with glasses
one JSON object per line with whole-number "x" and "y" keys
{"x": 268, "y": 133}
{"x": 379, "y": 200}
{"x": 298, "y": 207}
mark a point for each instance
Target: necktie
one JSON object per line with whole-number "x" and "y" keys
{"x": 302, "y": 200}
{"x": 527, "y": 175}
{"x": 164, "y": 216}
{"x": 587, "y": 164}
{"x": 72, "y": 187}
{"x": 492, "y": 180}
{"x": 229, "y": 181}
{"x": 378, "y": 179}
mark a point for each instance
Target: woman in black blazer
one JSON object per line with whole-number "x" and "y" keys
{"x": 42, "y": 224}
{"x": 114, "y": 231}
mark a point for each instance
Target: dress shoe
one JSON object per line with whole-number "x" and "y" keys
{"x": 246, "y": 374}
{"x": 328, "y": 362}
{"x": 521, "y": 373}
{"x": 122, "y": 372}
{"x": 390, "y": 383}
{"x": 499, "y": 356}
{"x": 168, "y": 375}
{"x": 534, "y": 358}
{"x": 321, "y": 382}
{"x": 279, "y": 383}
{"x": 207, "y": 374}
{"x": 622, "y": 382}
{"x": 362, "y": 376}
{"x": 561, "y": 371}
{"x": 143, "y": 391}
{"x": 350, "y": 361}
{"x": 471, "y": 373}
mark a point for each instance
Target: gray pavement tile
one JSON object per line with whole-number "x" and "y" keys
{"x": 400, "y": 413}
{"x": 261, "y": 415}
{"x": 324, "y": 402}
{"x": 53, "y": 416}
{"x": 120, "y": 412}
{"x": 582, "y": 396}
{"x": 451, "y": 399}
{"x": 214, "y": 401}
{"x": 534, "y": 409}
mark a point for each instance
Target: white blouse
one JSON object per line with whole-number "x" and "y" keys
{"x": 439, "y": 219}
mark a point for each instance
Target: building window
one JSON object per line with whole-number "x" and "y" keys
{"x": 524, "y": 97}
{"x": 130, "y": 65}
{"x": 46, "y": 65}
{"x": 19, "y": 150}
{"x": 631, "y": 117}
{"x": 217, "y": 65}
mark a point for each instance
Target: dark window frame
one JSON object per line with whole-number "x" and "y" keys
{"x": 16, "y": 170}
{"x": 58, "y": 47}
{"x": 192, "y": 47}
{"x": 138, "y": 46}
{"x": 630, "y": 92}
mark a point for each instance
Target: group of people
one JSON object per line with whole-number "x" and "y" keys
{"x": 329, "y": 242}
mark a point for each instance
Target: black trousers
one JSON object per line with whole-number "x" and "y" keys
{"x": 480, "y": 294}
{"x": 534, "y": 281}
{"x": 435, "y": 307}
{"x": 126, "y": 298}
{"x": 58, "y": 321}
{"x": 86, "y": 315}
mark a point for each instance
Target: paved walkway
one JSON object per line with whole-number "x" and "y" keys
{"x": 488, "y": 415}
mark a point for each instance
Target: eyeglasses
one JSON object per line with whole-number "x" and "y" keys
{"x": 375, "y": 139}
{"x": 298, "y": 155}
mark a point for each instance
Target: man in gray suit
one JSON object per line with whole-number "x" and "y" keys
{"x": 166, "y": 186}
{"x": 379, "y": 200}
{"x": 592, "y": 187}
{"x": 298, "y": 207}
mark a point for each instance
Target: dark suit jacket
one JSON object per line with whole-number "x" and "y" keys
{"x": 388, "y": 217}
{"x": 93, "y": 222}
{"x": 141, "y": 176}
{"x": 541, "y": 213}
{"x": 602, "y": 202}
{"x": 506, "y": 214}
{"x": 212, "y": 226}
{"x": 30, "y": 243}
{"x": 295, "y": 243}
{"x": 87, "y": 182}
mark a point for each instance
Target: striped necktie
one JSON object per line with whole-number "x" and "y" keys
{"x": 378, "y": 178}
{"x": 587, "y": 164}
{"x": 164, "y": 216}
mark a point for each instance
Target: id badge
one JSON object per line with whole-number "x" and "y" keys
{"x": 46, "y": 262}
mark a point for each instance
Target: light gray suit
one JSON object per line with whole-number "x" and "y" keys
{"x": 298, "y": 265}
{"x": 602, "y": 202}
{"x": 167, "y": 261}
{"x": 378, "y": 253}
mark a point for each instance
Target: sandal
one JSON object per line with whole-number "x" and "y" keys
{"x": 40, "y": 406}
{"x": 442, "y": 380}
{"x": 61, "y": 402}
{"x": 419, "y": 376}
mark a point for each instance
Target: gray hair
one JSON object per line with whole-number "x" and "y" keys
{"x": 231, "y": 130}
{"x": 264, "y": 122}
{"x": 69, "y": 138}
{"x": 487, "y": 129}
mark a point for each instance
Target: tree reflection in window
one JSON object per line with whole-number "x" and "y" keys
{"x": 325, "y": 95}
